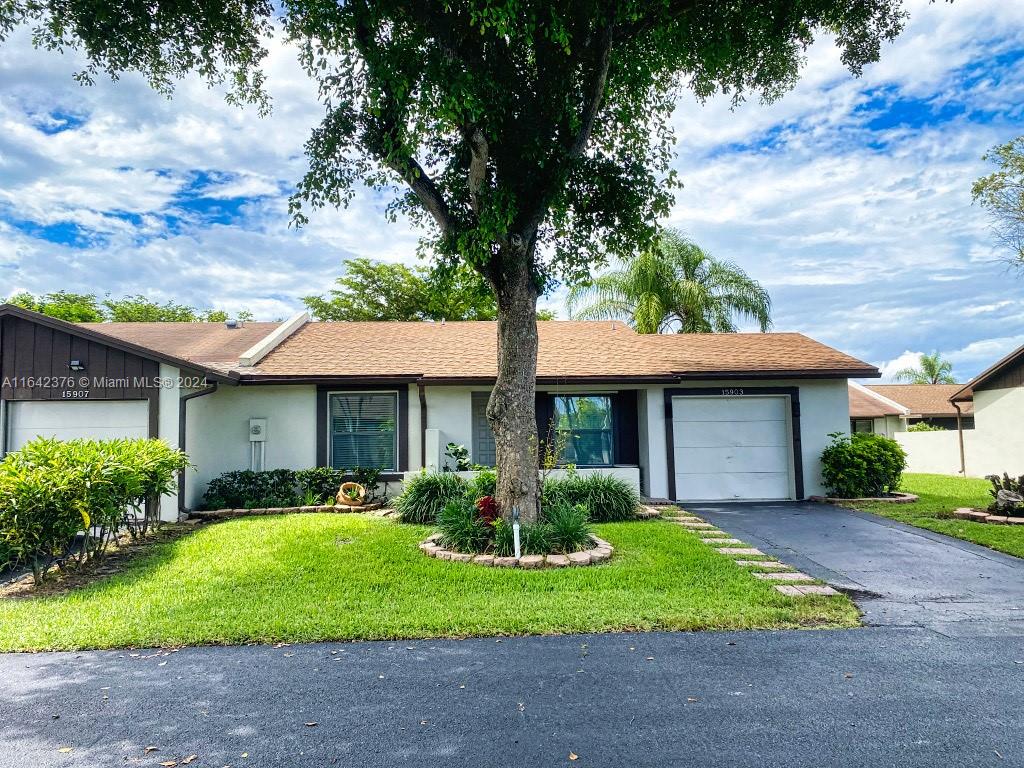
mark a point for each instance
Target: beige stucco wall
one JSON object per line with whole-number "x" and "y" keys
{"x": 217, "y": 438}
{"x": 994, "y": 446}
{"x": 824, "y": 408}
{"x": 998, "y": 444}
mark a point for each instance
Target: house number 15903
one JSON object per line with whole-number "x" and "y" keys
{"x": 732, "y": 391}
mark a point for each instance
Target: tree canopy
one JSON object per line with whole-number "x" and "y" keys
{"x": 86, "y": 308}
{"x": 673, "y": 286}
{"x": 373, "y": 290}
{"x": 1001, "y": 193}
{"x": 530, "y": 138}
{"x": 932, "y": 369}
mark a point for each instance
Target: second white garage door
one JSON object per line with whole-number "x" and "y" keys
{"x": 67, "y": 420}
{"x": 732, "y": 448}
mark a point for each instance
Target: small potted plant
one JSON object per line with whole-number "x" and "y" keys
{"x": 351, "y": 494}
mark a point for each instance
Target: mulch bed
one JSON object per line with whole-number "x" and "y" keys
{"x": 75, "y": 576}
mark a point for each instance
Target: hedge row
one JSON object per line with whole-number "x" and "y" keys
{"x": 52, "y": 490}
{"x": 245, "y": 489}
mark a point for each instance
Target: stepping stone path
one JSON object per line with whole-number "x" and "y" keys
{"x": 803, "y": 590}
{"x": 766, "y": 564}
{"x": 740, "y": 551}
{"x": 796, "y": 584}
{"x": 791, "y": 576}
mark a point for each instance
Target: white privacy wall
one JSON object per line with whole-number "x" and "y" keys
{"x": 824, "y": 408}
{"x": 994, "y": 446}
{"x": 218, "y": 431}
{"x": 998, "y": 445}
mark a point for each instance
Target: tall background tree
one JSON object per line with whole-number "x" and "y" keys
{"x": 375, "y": 290}
{"x": 1001, "y": 193}
{"x": 86, "y": 308}
{"x": 674, "y": 285}
{"x": 932, "y": 369}
{"x": 532, "y": 137}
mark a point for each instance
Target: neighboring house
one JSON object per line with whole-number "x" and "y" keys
{"x": 998, "y": 401}
{"x": 691, "y": 416}
{"x": 890, "y": 408}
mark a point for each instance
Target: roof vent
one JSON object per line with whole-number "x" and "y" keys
{"x": 233, "y": 323}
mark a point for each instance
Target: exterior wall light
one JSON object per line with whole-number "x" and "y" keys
{"x": 76, "y": 365}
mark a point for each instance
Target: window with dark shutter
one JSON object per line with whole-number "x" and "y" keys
{"x": 584, "y": 422}
{"x": 364, "y": 430}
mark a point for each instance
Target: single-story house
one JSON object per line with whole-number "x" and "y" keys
{"x": 997, "y": 397}
{"x": 689, "y": 417}
{"x": 887, "y": 409}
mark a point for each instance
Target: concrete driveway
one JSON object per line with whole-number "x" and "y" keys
{"x": 899, "y": 575}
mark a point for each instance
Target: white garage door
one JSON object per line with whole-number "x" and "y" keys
{"x": 731, "y": 448}
{"x": 96, "y": 419}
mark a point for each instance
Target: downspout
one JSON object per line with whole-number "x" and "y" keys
{"x": 960, "y": 438}
{"x": 182, "y": 413}
{"x": 423, "y": 423}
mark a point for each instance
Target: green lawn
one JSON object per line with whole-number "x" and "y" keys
{"x": 940, "y": 495}
{"x": 347, "y": 577}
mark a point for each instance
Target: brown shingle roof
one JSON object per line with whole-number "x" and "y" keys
{"x": 568, "y": 349}
{"x": 923, "y": 399}
{"x": 203, "y": 343}
{"x": 864, "y": 406}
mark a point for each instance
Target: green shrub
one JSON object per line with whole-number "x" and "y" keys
{"x": 534, "y": 539}
{"x": 862, "y": 465}
{"x": 318, "y": 485}
{"x": 245, "y": 489}
{"x": 51, "y": 490}
{"x": 608, "y": 499}
{"x": 568, "y": 527}
{"x": 484, "y": 484}
{"x": 462, "y": 529}
{"x": 369, "y": 478}
{"x": 426, "y": 494}
{"x": 1004, "y": 483}
{"x": 924, "y": 426}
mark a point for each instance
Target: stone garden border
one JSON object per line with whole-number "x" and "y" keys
{"x": 983, "y": 516}
{"x": 896, "y": 498}
{"x": 224, "y": 514}
{"x": 599, "y": 553}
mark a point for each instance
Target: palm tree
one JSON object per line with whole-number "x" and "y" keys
{"x": 675, "y": 285}
{"x": 932, "y": 369}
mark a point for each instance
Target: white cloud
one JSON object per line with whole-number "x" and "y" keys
{"x": 907, "y": 359}
{"x": 863, "y": 231}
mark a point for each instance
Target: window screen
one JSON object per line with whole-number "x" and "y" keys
{"x": 364, "y": 430}
{"x": 585, "y": 424}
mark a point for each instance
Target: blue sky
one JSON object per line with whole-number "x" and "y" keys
{"x": 848, "y": 199}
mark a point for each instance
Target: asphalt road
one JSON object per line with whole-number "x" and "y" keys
{"x": 939, "y": 682}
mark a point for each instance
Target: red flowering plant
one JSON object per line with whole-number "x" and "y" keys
{"x": 487, "y": 507}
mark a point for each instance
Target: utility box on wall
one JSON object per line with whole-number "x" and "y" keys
{"x": 257, "y": 430}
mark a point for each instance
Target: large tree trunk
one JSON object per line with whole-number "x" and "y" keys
{"x": 511, "y": 409}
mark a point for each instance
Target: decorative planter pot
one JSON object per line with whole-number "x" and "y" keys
{"x": 343, "y": 496}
